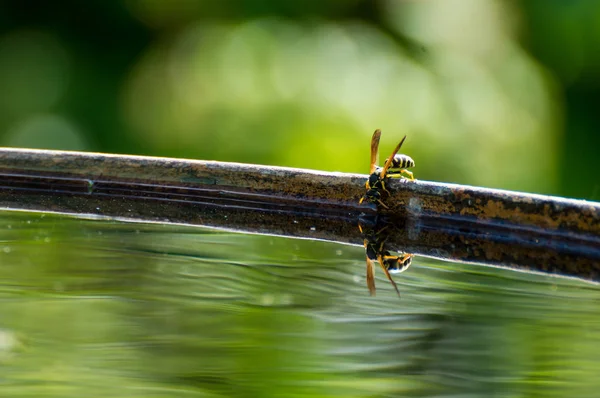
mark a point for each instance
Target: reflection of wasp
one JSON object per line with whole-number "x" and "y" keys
{"x": 374, "y": 241}
{"x": 376, "y": 183}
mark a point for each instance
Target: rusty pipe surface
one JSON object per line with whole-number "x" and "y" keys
{"x": 500, "y": 228}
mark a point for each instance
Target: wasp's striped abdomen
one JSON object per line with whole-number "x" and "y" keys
{"x": 402, "y": 162}
{"x": 397, "y": 264}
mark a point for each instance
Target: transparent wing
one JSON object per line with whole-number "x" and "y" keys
{"x": 375, "y": 150}
{"x": 371, "y": 276}
{"x": 380, "y": 260}
{"x": 389, "y": 161}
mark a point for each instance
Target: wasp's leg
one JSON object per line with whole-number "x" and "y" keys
{"x": 398, "y": 174}
{"x": 377, "y": 201}
{"x": 394, "y": 174}
{"x": 382, "y": 204}
{"x": 408, "y": 173}
{"x": 379, "y": 231}
{"x": 383, "y": 188}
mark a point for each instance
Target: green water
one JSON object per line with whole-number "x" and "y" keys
{"x": 97, "y": 309}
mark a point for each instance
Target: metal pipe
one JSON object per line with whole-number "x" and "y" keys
{"x": 500, "y": 228}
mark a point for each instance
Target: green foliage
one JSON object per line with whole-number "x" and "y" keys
{"x": 493, "y": 94}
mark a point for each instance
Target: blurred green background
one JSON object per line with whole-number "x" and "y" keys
{"x": 494, "y": 93}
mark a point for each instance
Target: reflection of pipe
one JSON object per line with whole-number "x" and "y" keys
{"x": 502, "y": 228}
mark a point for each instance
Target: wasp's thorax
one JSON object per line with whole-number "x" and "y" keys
{"x": 374, "y": 181}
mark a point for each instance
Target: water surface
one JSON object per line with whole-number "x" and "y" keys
{"x": 98, "y": 308}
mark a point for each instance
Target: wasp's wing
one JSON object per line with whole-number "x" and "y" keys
{"x": 375, "y": 150}
{"x": 385, "y": 271}
{"x": 389, "y": 160}
{"x": 371, "y": 276}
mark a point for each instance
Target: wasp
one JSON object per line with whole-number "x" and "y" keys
{"x": 374, "y": 254}
{"x": 374, "y": 242}
{"x": 376, "y": 182}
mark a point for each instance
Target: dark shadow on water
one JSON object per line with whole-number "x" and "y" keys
{"x": 92, "y": 308}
